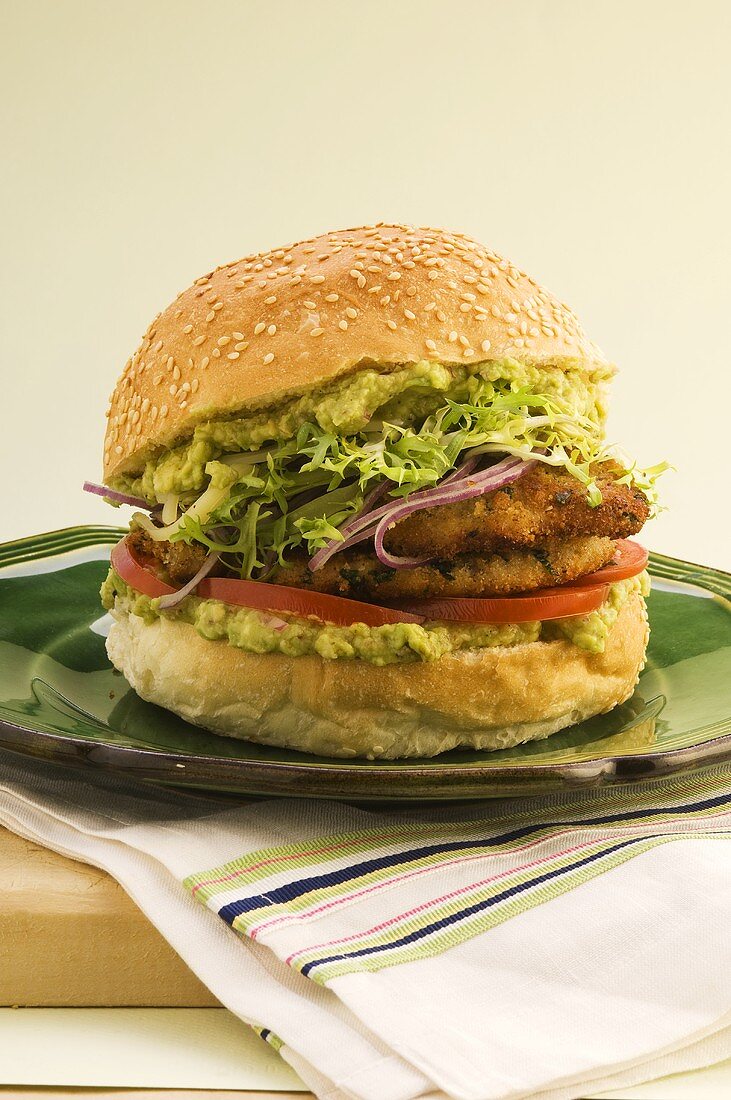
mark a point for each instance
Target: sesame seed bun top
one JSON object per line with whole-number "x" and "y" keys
{"x": 279, "y": 323}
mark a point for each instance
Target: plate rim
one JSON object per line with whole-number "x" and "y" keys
{"x": 575, "y": 774}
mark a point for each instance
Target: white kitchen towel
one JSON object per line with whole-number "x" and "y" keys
{"x": 552, "y": 947}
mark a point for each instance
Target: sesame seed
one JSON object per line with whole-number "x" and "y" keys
{"x": 316, "y": 331}
{"x": 465, "y": 307}
{"x": 223, "y": 340}
{"x": 216, "y": 353}
{"x": 241, "y": 345}
{"x": 453, "y": 337}
{"x": 272, "y": 329}
{"x": 157, "y": 379}
{"x": 430, "y": 345}
{"x": 176, "y": 373}
{"x": 317, "y": 279}
{"x": 205, "y": 362}
{"x": 233, "y": 355}
{"x": 433, "y": 275}
{"x": 163, "y": 411}
{"x": 485, "y": 345}
{"x": 392, "y": 324}
{"x": 468, "y": 353}
{"x": 172, "y": 390}
{"x": 309, "y": 304}
{"x": 170, "y": 361}
{"x": 210, "y": 316}
{"x": 270, "y": 300}
{"x": 332, "y": 297}
{"x": 187, "y": 329}
{"x": 343, "y": 324}
{"x": 411, "y": 316}
{"x": 158, "y": 345}
{"x": 374, "y": 289}
{"x": 394, "y": 275}
{"x": 199, "y": 340}
{"x": 238, "y": 336}
{"x": 464, "y": 341}
{"x": 385, "y": 299}
{"x": 259, "y": 328}
{"x": 351, "y": 312}
{"x": 194, "y": 385}
{"x": 118, "y": 449}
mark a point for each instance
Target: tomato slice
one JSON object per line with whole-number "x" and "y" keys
{"x": 629, "y": 559}
{"x": 577, "y": 597}
{"x": 298, "y": 601}
{"x": 261, "y": 596}
{"x": 136, "y": 575}
{"x": 547, "y": 603}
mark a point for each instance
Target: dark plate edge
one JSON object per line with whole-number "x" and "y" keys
{"x": 118, "y": 758}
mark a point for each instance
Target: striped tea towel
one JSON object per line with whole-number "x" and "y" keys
{"x": 555, "y": 947}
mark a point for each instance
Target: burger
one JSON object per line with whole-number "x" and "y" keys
{"x": 375, "y": 512}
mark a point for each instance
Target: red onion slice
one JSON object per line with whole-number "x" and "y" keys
{"x": 272, "y": 621}
{"x": 356, "y": 530}
{"x": 120, "y": 498}
{"x": 487, "y": 481}
{"x": 172, "y": 600}
{"x": 363, "y": 526}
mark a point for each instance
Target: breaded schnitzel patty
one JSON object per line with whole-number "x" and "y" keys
{"x": 359, "y": 574}
{"x": 546, "y": 503}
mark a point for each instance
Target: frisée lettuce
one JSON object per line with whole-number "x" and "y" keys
{"x": 256, "y": 488}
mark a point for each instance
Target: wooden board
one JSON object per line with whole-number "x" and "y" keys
{"x": 70, "y": 936}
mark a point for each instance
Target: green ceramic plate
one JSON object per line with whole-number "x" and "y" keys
{"x": 61, "y": 700}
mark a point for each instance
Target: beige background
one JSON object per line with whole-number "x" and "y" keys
{"x": 144, "y": 142}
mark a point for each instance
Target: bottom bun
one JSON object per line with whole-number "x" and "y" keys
{"x": 482, "y": 698}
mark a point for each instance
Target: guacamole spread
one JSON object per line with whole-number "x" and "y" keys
{"x": 253, "y": 631}
{"x": 404, "y": 394}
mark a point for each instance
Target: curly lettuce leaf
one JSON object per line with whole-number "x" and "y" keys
{"x": 300, "y": 492}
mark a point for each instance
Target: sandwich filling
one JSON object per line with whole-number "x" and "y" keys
{"x": 257, "y": 632}
{"x": 420, "y": 480}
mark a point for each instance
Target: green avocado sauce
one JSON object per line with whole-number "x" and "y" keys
{"x": 252, "y": 631}
{"x": 404, "y": 394}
